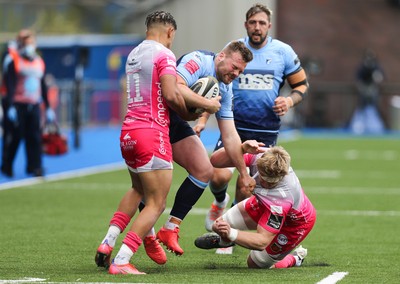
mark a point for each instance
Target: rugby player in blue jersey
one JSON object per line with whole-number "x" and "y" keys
{"x": 188, "y": 150}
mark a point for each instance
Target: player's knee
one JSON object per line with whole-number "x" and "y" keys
{"x": 242, "y": 193}
{"x": 235, "y": 218}
{"x": 205, "y": 174}
{"x": 221, "y": 178}
{"x": 202, "y": 173}
{"x": 156, "y": 205}
{"x": 218, "y": 184}
{"x": 251, "y": 263}
{"x": 209, "y": 172}
{"x": 260, "y": 259}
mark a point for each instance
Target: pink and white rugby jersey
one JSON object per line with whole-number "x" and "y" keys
{"x": 146, "y": 106}
{"x": 287, "y": 201}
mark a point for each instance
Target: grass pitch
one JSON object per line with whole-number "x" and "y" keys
{"x": 50, "y": 231}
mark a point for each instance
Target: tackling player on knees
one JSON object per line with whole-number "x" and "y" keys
{"x": 278, "y": 210}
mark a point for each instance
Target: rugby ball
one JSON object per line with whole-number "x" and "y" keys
{"x": 207, "y": 87}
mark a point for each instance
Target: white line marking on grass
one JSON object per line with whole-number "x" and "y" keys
{"x": 360, "y": 213}
{"x": 86, "y": 282}
{"x": 352, "y": 190}
{"x": 43, "y": 281}
{"x": 204, "y": 211}
{"x": 24, "y": 280}
{"x": 64, "y": 175}
{"x": 388, "y": 155}
{"x": 318, "y": 174}
{"x": 333, "y": 278}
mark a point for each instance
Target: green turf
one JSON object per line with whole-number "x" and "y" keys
{"x": 51, "y": 230}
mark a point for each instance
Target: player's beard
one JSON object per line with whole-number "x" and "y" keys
{"x": 259, "y": 42}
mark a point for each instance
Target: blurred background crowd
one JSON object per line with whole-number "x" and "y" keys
{"x": 84, "y": 44}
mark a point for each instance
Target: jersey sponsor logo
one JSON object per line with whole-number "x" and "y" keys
{"x": 292, "y": 216}
{"x": 171, "y": 62}
{"x": 282, "y": 239}
{"x": 130, "y": 119}
{"x": 260, "y": 191}
{"x": 135, "y": 63}
{"x": 162, "y": 149}
{"x": 274, "y": 221}
{"x": 161, "y": 118}
{"x": 276, "y": 209}
{"x": 191, "y": 66}
{"x": 254, "y": 205}
{"x": 127, "y": 144}
{"x": 256, "y": 81}
{"x": 275, "y": 248}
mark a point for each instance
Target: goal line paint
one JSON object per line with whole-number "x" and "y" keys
{"x": 333, "y": 278}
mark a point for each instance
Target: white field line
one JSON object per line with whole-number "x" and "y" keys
{"x": 308, "y": 189}
{"x": 324, "y": 174}
{"x": 359, "y": 213}
{"x": 24, "y": 280}
{"x": 64, "y": 175}
{"x": 352, "y": 190}
{"x": 119, "y": 166}
{"x": 43, "y": 281}
{"x": 204, "y": 211}
{"x": 333, "y": 278}
{"x": 321, "y": 174}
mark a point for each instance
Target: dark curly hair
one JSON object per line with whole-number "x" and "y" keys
{"x": 160, "y": 17}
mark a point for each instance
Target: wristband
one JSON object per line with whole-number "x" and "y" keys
{"x": 233, "y": 233}
{"x": 298, "y": 92}
{"x": 291, "y": 103}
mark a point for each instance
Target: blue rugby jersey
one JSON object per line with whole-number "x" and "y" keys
{"x": 258, "y": 86}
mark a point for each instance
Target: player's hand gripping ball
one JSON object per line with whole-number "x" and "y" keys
{"x": 207, "y": 87}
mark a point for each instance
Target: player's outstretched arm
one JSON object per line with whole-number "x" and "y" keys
{"x": 252, "y": 240}
{"x": 220, "y": 159}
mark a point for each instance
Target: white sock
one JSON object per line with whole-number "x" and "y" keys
{"x": 169, "y": 225}
{"x": 111, "y": 236}
{"x": 124, "y": 255}
{"x": 224, "y": 243}
{"x": 223, "y": 203}
{"x": 299, "y": 261}
{"x": 152, "y": 232}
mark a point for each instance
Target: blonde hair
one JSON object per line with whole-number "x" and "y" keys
{"x": 274, "y": 164}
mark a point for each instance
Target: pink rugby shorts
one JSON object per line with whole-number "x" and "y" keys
{"x": 146, "y": 149}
